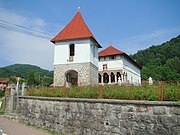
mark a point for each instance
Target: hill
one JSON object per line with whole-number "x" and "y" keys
{"x": 161, "y": 62}
{"x": 32, "y": 74}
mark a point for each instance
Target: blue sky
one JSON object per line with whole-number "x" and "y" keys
{"x": 129, "y": 25}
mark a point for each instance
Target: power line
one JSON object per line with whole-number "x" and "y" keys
{"x": 22, "y": 29}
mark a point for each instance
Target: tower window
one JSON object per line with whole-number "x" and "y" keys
{"x": 71, "y": 49}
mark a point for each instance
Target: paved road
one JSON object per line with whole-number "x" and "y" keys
{"x": 14, "y": 128}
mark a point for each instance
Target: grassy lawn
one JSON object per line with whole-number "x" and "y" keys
{"x": 165, "y": 92}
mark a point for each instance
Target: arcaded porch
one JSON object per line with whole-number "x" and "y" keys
{"x": 112, "y": 77}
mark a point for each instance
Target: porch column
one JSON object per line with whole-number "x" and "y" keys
{"x": 122, "y": 78}
{"x": 102, "y": 81}
{"x": 110, "y": 79}
{"x": 115, "y": 78}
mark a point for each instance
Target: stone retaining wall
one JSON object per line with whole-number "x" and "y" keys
{"x": 101, "y": 117}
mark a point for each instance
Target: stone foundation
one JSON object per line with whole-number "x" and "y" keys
{"x": 101, "y": 117}
{"x": 87, "y": 73}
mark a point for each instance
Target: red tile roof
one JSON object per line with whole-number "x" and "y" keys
{"x": 4, "y": 80}
{"x": 75, "y": 29}
{"x": 113, "y": 51}
{"x": 110, "y": 51}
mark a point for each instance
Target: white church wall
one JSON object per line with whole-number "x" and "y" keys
{"x": 82, "y": 52}
{"x": 133, "y": 73}
{"x": 111, "y": 64}
{"x": 61, "y": 54}
{"x": 94, "y": 54}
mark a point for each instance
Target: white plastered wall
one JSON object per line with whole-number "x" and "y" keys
{"x": 133, "y": 72}
{"x": 83, "y": 52}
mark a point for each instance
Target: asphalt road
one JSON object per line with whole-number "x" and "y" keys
{"x": 10, "y": 127}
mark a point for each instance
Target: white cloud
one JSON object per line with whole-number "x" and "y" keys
{"x": 17, "y": 47}
{"x": 132, "y": 44}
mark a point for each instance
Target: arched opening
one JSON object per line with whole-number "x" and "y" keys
{"x": 105, "y": 78}
{"x": 112, "y": 77}
{"x": 99, "y": 78}
{"x": 71, "y": 78}
{"x": 119, "y": 77}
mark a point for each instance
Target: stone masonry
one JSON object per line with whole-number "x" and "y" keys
{"x": 101, "y": 117}
{"x": 87, "y": 73}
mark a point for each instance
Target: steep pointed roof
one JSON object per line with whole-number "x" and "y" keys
{"x": 110, "y": 51}
{"x": 76, "y": 29}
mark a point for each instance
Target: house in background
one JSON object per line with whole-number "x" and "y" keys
{"x": 116, "y": 66}
{"x": 3, "y": 83}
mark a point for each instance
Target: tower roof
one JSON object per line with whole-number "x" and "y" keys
{"x": 110, "y": 51}
{"x": 75, "y": 29}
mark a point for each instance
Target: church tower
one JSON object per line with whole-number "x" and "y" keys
{"x": 75, "y": 54}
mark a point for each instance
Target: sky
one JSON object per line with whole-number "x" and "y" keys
{"x": 27, "y": 26}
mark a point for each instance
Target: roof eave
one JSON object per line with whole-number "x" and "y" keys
{"x": 98, "y": 45}
{"x": 134, "y": 62}
{"x": 111, "y": 54}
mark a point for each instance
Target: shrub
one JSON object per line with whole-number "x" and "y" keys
{"x": 2, "y": 93}
{"x": 164, "y": 92}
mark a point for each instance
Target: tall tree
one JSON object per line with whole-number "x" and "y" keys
{"x": 31, "y": 78}
{"x": 161, "y": 62}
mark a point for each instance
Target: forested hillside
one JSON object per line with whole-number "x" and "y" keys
{"x": 161, "y": 62}
{"x": 32, "y": 74}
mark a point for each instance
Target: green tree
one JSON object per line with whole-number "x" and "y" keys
{"x": 161, "y": 62}
{"x": 31, "y": 78}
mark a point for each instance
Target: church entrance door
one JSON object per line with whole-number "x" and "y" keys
{"x": 71, "y": 78}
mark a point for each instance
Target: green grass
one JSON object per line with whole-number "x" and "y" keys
{"x": 165, "y": 92}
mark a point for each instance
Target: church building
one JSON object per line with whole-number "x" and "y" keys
{"x": 75, "y": 55}
{"x": 77, "y": 62}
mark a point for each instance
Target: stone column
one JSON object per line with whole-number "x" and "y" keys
{"x": 102, "y": 81}
{"x": 110, "y": 79}
{"x": 122, "y": 78}
{"x": 115, "y": 78}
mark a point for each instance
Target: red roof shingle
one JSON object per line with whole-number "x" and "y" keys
{"x": 75, "y": 29}
{"x": 113, "y": 51}
{"x": 110, "y": 51}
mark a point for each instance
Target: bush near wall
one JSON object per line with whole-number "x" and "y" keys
{"x": 162, "y": 92}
